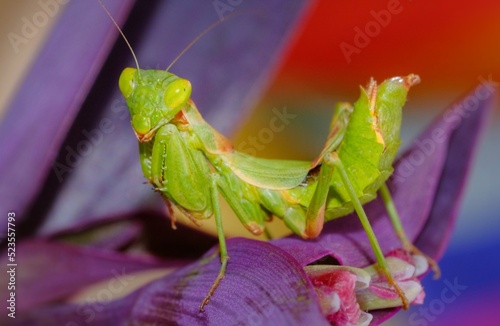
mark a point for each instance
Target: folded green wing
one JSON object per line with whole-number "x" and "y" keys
{"x": 267, "y": 173}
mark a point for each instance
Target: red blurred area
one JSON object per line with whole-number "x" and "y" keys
{"x": 449, "y": 44}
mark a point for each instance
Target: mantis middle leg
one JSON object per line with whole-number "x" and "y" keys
{"x": 224, "y": 257}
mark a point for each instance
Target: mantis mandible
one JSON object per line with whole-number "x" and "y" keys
{"x": 190, "y": 163}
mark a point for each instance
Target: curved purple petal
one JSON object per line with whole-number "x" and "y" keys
{"x": 263, "y": 285}
{"x": 52, "y": 270}
{"x": 149, "y": 231}
{"x": 57, "y": 261}
{"x": 469, "y": 121}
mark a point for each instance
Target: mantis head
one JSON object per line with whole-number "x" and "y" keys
{"x": 153, "y": 97}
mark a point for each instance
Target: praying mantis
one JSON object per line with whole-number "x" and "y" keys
{"x": 190, "y": 163}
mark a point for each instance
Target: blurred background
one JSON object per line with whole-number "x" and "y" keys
{"x": 338, "y": 46}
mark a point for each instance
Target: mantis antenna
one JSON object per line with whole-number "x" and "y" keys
{"x": 121, "y": 32}
{"x": 208, "y": 29}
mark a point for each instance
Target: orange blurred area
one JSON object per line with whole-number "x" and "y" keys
{"x": 344, "y": 43}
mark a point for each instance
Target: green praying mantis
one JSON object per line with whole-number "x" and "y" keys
{"x": 190, "y": 163}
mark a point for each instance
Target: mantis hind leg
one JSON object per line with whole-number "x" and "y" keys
{"x": 331, "y": 162}
{"x": 224, "y": 257}
{"x": 398, "y": 227}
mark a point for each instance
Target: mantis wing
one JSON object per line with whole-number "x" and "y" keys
{"x": 287, "y": 174}
{"x": 267, "y": 173}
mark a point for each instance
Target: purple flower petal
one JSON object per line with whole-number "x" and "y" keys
{"x": 263, "y": 285}
{"x": 149, "y": 231}
{"x": 110, "y": 235}
{"x": 53, "y": 270}
{"x": 468, "y": 120}
{"x": 58, "y": 264}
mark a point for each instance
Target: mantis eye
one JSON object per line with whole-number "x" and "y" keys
{"x": 126, "y": 81}
{"x": 141, "y": 124}
{"x": 177, "y": 93}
